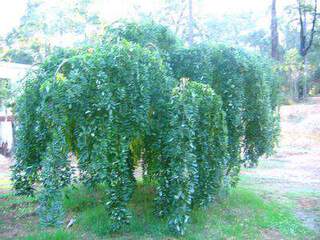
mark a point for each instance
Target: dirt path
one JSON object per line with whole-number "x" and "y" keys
{"x": 5, "y": 164}
{"x": 293, "y": 172}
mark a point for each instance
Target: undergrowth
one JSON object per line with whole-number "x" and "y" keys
{"x": 244, "y": 215}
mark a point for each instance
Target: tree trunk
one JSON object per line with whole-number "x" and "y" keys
{"x": 274, "y": 32}
{"x": 305, "y": 74}
{"x": 13, "y": 135}
{"x": 190, "y": 37}
{"x": 295, "y": 89}
{"x": 306, "y": 44}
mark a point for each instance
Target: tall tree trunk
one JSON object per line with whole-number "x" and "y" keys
{"x": 306, "y": 44}
{"x": 181, "y": 16}
{"x": 305, "y": 75}
{"x": 295, "y": 85}
{"x": 274, "y": 32}
{"x": 190, "y": 37}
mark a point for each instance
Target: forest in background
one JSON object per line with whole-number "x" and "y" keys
{"x": 286, "y": 33}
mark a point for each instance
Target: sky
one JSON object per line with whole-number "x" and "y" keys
{"x": 10, "y": 13}
{"x": 12, "y": 10}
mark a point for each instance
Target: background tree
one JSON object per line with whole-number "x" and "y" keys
{"x": 305, "y": 8}
{"x": 291, "y": 66}
{"x": 49, "y": 24}
{"x": 191, "y": 22}
{"x": 75, "y": 23}
{"x": 274, "y": 31}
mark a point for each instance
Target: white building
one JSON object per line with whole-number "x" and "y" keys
{"x": 12, "y": 73}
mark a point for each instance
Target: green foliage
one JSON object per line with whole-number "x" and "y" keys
{"x": 220, "y": 68}
{"x": 54, "y": 176}
{"x": 247, "y": 88}
{"x": 31, "y": 140}
{"x": 44, "y": 26}
{"x": 18, "y": 56}
{"x": 183, "y": 114}
{"x": 196, "y": 157}
{"x": 58, "y": 235}
{"x": 148, "y": 34}
{"x": 4, "y": 90}
{"x": 79, "y": 198}
{"x": 291, "y": 67}
{"x": 33, "y": 131}
{"x": 258, "y": 113}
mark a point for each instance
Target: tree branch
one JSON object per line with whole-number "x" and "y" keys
{"x": 180, "y": 17}
{"x": 302, "y": 35}
{"x": 313, "y": 26}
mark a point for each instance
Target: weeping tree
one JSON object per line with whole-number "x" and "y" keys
{"x": 191, "y": 116}
{"x": 247, "y": 91}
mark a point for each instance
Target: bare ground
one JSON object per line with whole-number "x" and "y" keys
{"x": 292, "y": 174}
{"x": 5, "y": 164}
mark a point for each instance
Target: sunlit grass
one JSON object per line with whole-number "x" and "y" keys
{"x": 57, "y": 235}
{"x": 244, "y": 215}
{"x": 5, "y": 184}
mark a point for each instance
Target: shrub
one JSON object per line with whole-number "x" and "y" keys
{"x": 184, "y": 114}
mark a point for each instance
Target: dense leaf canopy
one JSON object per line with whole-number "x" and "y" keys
{"x": 191, "y": 117}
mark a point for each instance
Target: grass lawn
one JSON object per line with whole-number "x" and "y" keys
{"x": 244, "y": 215}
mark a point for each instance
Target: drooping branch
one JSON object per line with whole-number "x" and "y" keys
{"x": 124, "y": 102}
{"x": 59, "y": 67}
